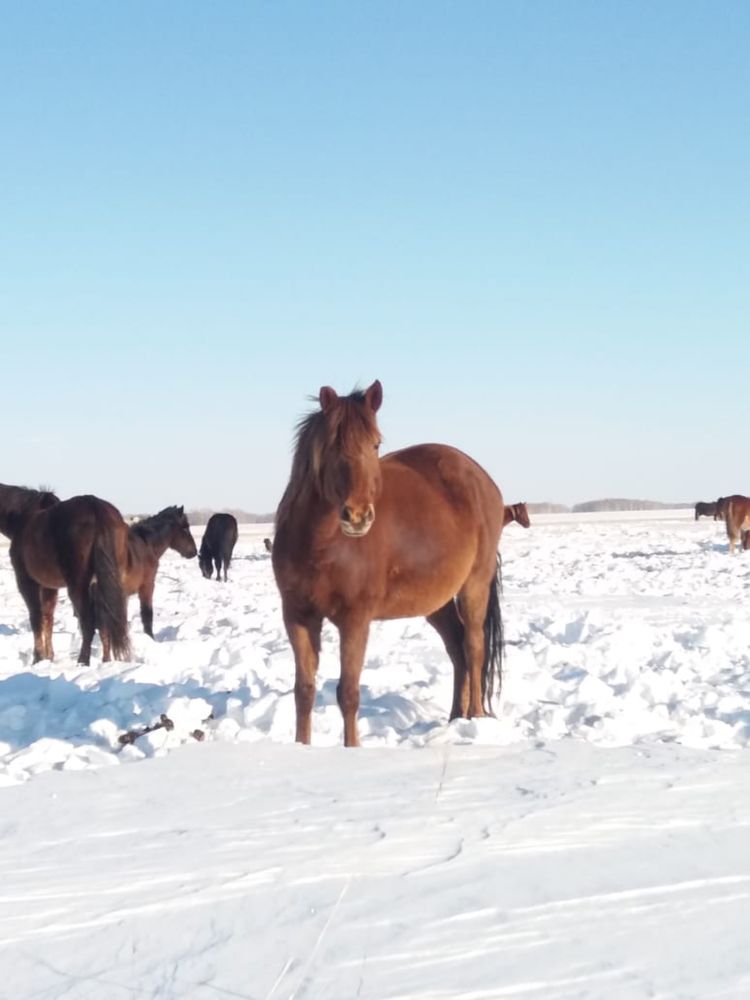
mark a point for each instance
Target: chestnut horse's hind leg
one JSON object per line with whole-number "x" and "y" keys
{"x": 473, "y": 600}
{"x": 353, "y": 635}
{"x": 449, "y": 627}
{"x": 304, "y": 636}
{"x": 49, "y": 602}
{"x": 83, "y": 604}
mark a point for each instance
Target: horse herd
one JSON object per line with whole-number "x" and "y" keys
{"x": 85, "y": 545}
{"x": 358, "y": 538}
{"x": 734, "y": 511}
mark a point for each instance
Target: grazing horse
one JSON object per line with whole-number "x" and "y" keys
{"x": 735, "y": 511}
{"x": 704, "y": 509}
{"x": 359, "y": 538}
{"x": 219, "y": 540}
{"x": 148, "y": 540}
{"x": 70, "y": 543}
{"x": 517, "y": 512}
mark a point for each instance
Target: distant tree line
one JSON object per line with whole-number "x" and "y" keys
{"x": 608, "y": 504}
{"x": 619, "y": 504}
{"x": 202, "y": 515}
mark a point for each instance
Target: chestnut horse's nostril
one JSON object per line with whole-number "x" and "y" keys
{"x": 357, "y": 522}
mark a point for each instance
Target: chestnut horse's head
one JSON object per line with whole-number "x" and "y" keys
{"x": 348, "y": 464}
{"x": 336, "y": 461}
{"x": 521, "y": 515}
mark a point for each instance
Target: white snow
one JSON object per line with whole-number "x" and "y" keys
{"x": 589, "y": 842}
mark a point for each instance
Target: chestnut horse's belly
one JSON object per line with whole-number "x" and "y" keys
{"x": 410, "y": 594}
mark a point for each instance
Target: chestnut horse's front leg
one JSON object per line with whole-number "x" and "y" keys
{"x": 353, "y": 633}
{"x": 146, "y": 600}
{"x": 304, "y": 635}
{"x": 32, "y": 595}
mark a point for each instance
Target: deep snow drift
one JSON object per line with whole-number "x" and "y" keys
{"x": 518, "y": 856}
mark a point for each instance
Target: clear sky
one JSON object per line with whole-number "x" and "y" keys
{"x": 530, "y": 220}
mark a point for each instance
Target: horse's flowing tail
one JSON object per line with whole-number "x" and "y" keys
{"x": 492, "y": 668}
{"x": 110, "y": 600}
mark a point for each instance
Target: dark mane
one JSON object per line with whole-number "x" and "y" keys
{"x": 315, "y": 435}
{"x": 155, "y": 525}
{"x": 20, "y": 501}
{"x": 22, "y": 497}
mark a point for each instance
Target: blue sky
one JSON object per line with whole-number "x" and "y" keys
{"x": 529, "y": 220}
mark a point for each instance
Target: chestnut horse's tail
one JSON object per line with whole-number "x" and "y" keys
{"x": 492, "y": 668}
{"x": 108, "y": 593}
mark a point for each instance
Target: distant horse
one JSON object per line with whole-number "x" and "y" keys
{"x": 70, "y": 543}
{"x": 704, "y": 509}
{"x": 148, "y": 540}
{"x": 219, "y": 540}
{"x": 517, "y": 512}
{"x": 735, "y": 512}
{"x": 359, "y": 538}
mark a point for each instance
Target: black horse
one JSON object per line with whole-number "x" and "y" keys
{"x": 705, "y": 510}
{"x": 218, "y": 544}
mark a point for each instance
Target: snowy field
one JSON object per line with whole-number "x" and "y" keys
{"x": 588, "y": 842}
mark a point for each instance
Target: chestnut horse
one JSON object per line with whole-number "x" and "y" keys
{"x": 148, "y": 540}
{"x": 735, "y": 512}
{"x": 69, "y": 543}
{"x": 517, "y": 512}
{"x": 360, "y": 538}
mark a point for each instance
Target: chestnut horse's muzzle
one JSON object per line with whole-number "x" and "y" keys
{"x": 355, "y": 524}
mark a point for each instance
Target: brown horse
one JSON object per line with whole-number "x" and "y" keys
{"x": 517, "y": 512}
{"x": 70, "y": 543}
{"x": 148, "y": 540}
{"x": 735, "y": 512}
{"x": 360, "y": 538}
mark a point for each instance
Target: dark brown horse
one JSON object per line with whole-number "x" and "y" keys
{"x": 704, "y": 509}
{"x": 70, "y": 543}
{"x": 217, "y": 545}
{"x": 517, "y": 512}
{"x": 360, "y": 538}
{"x": 148, "y": 540}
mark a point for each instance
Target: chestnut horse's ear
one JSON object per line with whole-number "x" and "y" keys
{"x": 374, "y": 395}
{"x": 328, "y": 398}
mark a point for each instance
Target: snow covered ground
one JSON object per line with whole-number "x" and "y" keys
{"x": 588, "y": 842}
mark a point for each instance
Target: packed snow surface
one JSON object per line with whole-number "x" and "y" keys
{"x": 590, "y": 841}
